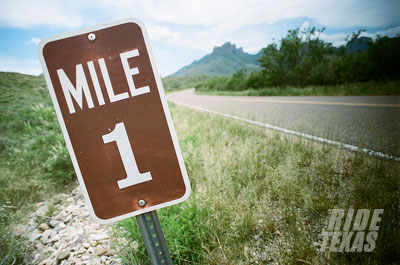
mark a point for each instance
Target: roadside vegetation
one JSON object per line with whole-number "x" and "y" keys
{"x": 258, "y": 196}
{"x": 263, "y": 197}
{"x": 34, "y": 163}
{"x": 173, "y": 83}
{"x": 371, "y": 88}
{"x": 304, "y": 64}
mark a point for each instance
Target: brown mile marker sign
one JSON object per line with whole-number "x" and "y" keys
{"x": 114, "y": 116}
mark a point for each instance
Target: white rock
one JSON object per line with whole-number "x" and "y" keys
{"x": 46, "y": 235}
{"x": 112, "y": 252}
{"x": 54, "y": 222}
{"x": 62, "y": 255}
{"x": 74, "y": 239}
{"x": 36, "y": 258}
{"x": 33, "y": 237}
{"x": 68, "y": 218}
{"x": 81, "y": 250}
{"x": 85, "y": 257}
{"x": 70, "y": 208}
{"x": 101, "y": 250}
{"x": 75, "y": 260}
{"x": 47, "y": 261}
{"x": 99, "y": 236}
{"x": 44, "y": 226}
{"x": 69, "y": 230}
{"x": 84, "y": 215}
{"x": 54, "y": 239}
{"x": 32, "y": 222}
{"x": 41, "y": 211}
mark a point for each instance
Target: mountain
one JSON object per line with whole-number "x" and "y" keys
{"x": 360, "y": 44}
{"x": 224, "y": 60}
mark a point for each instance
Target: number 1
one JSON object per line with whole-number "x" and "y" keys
{"x": 133, "y": 176}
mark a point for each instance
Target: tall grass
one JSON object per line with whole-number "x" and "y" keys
{"x": 262, "y": 197}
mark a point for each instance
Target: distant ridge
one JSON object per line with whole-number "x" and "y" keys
{"x": 224, "y": 60}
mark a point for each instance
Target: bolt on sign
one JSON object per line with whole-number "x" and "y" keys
{"x": 114, "y": 116}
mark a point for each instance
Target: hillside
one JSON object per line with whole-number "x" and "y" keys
{"x": 34, "y": 163}
{"x": 224, "y": 60}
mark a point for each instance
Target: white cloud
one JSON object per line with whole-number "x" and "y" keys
{"x": 336, "y": 39}
{"x": 163, "y": 33}
{"x": 355, "y": 13}
{"x": 305, "y": 25}
{"x": 14, "y": 64}
{"x": 210, "y": 22}
{"x": 201, "y": 25}
{"x": 233, "y": 14}
{"x": 391, "y": 32}
{"x": 205, "y": 39}
{"x": 26, "y": 13}
{"x": 340, "y": 38}
{"x": 227, "y": 15}
{"x": 34, "y": 41}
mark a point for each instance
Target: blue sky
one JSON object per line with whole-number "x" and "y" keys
{"x": 182, "y": 31}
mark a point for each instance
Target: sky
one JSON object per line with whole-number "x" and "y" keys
{"x": 183, "y": 31}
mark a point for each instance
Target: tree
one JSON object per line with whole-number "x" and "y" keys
{"x": 299, "y": 61}
{"x": 271, "y": 62}
{"x": 238, "y": 80}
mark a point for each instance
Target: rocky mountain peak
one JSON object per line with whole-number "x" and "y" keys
{"x": 227, "y": 48}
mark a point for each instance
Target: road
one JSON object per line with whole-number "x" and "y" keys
{"x": 371, "y": 122}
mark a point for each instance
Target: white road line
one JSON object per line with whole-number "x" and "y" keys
{"x": 300, "y": 134}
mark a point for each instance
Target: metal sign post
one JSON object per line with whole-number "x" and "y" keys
{"x": 153, "y": 238}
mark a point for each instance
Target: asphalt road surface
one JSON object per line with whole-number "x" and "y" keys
{"x": 371, "y": 122}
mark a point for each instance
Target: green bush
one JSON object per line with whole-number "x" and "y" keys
{"x": 238, "y": 81}
{"x": 219, "y": 83}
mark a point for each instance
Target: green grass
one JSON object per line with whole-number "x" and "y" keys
{"x": 34, "y": 163}
{"x": 368, "y": 88}
{"x": 263, "y": 197}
